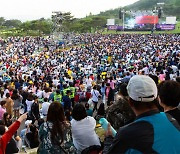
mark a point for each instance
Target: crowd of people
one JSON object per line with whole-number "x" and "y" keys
{"x": 131, "y": 80}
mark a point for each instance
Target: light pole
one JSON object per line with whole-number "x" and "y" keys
{"x": 123, "y": 18}
{"x": 155, "y": 18}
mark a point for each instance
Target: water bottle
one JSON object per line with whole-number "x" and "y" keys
{"x": 104, "y": 124}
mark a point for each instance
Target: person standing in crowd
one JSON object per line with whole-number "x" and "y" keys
{"x": 150, "y": 130}
{"x": 83, "y": 129}
{"x": 58, "y": 96}
{"x": 89, "y": 82}
{"x": 73, "y": 91}
{"x": 46, "y": 93}
{"x": 112, "y": 83}
{"x": 161, "y": 76}
{"x": 67, "y": 101}
{"x": 109, "y": 94}
{"x": 45, "y": 107}
{"x": 169, "y": 94}
{"x": 34, "y": 112}
{"x": 2, "y": 109}
{"x": 6, "y": 90}
{"x": 29, "y": 101}
{"x": 103, "y": 88}
{"x": 9, "y": 104}
{"x": 24, "y": 94}
{"x": 95, "y": 97}
{"x": 1, "y": 95}
{"x": 17, "y": 99}
{"x": 55, "y": 133}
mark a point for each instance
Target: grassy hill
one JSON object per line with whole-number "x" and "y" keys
{"x": 170, "y": 8}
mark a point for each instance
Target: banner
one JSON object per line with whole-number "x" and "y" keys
{"x": 115, "y": 27}
{"x": 146, "y": 19}
{"x": 170, "y": 20}
{"x": 110, "y": 22}
{"x": 165, "y": 26}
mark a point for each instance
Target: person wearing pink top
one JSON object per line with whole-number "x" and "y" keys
{"x": 2, "y": 109}
{"x": 161, "y": 76}
{"x": 112, "y": 83}
{"x": 109, "y": 94}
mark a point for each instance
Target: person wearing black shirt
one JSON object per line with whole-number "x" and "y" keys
{"x": 67, "y": 101}
{"x": 34, "y": 114}
{"x": 32, "y": 136}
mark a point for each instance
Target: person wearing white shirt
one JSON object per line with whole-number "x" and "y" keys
{"x": 29, "y": 102}
{"x": 83, "y": 129}
{"x": 6, "y": 90}
{"x": 55, "y": 81}
{"x": 95, "y": 96}
{"x": 89, "y": 82}
{"x": 39, "y": 93}
{"x": 45, "y": 107}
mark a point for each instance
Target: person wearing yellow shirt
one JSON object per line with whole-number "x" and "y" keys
{"x": 69, "y": 73}
{"x": 103, "y": 75}
{"x": 109, "y": 59}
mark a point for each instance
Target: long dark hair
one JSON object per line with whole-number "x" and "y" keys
{"x": 101, "y": 110}
{"x": 6, "y": 120}
{"x": 30, "y": 97}
{"x": 56, "y": 117}
{"x": 15, "y": 95}
{"x": 34, "y": 132}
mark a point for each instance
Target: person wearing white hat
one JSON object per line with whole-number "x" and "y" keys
{"x": 152, "y": 131}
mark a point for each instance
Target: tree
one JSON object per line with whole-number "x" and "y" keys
{"x": 2, "y": 21}
{"x": 42, "y": 26}
{"x": 98, "y": 22}
{"x": 12, "y": 23}
{"x": 67, "y": 21}
{"x": 26, "y": 26}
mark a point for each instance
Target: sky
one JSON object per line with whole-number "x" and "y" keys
{"x": 35, "y": 9}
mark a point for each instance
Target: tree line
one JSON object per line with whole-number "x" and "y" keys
{"x": 46, "y": 27}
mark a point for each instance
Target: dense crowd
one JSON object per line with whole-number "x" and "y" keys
{"x": 65, "y": 91}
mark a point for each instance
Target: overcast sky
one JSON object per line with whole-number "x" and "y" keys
{"x": 35, "y": 9}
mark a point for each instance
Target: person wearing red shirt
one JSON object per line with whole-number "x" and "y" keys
{"x": 5, "y": 138}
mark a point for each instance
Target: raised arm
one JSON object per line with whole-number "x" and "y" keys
{"x": 12, "y": 129}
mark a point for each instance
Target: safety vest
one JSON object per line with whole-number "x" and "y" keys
{"x": 64, "y": 91}
{"x": 58, "y": 97}
{"x": 73, "y": 90}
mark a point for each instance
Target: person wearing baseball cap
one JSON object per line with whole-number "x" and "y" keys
{"x": 152, "y": 131}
